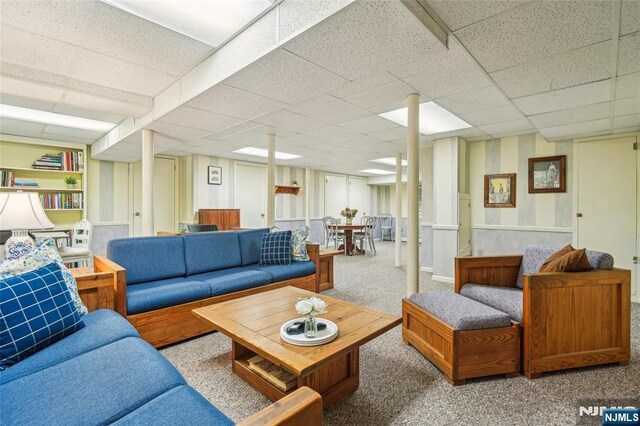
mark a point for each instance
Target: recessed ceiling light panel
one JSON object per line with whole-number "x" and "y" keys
{"x": 389, "y": 161}
{"x": 377, "y": 171}
{"x": 44, "y": 117}
{"x": 258, "y": 152}
{"x": 433, "y": 119}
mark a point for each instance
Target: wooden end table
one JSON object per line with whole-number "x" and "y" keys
{"x": 325, "y": 268}
{"x": 253, "y": 323}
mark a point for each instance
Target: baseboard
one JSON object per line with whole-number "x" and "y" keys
{"x": 426, "y": 269}
{"x": 442, "y": 278}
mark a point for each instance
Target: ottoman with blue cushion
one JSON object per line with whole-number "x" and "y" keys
{"x": 462, "y": 337}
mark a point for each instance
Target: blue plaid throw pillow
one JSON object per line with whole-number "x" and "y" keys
{"x": 275, "y": 248}
{"x": 36, "y": 310}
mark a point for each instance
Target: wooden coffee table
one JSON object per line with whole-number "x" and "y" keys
{"x": 253, "y": 323}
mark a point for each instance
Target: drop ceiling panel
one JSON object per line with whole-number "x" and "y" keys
{"x": 391, "y": 92}
{"x": 365, "y": 37}
{"x": 31, "y": 89}
{"x": 628, "y": 86}
{"x": 44, "y": 53}
{"x": 329, "y": 109}
{"x": 627, "y": 106}
{"x": 584, "y": 94}
{"x": 629, "y": 17}
{"x": 506, "y": 127}
{"x": 19, "y": 127}
{"x": 575, "y": 129}
{"x": 495, "y": 115}
{"x": 625, "y": 121}
{"x": 234, "y": 102}
{"x": 66, "y": 138}
{"x": 629, "y": 54}
{"x": 571, "y": 115}
{"x": 447, "y": 80}
{"x": 474, "y": 100}
{"x": 68, "y": 131}
{"x": 264, "y": 130}
{"x": 580, "y": 66}
{"x": 199, "y": 119}
{"x": 361, "y": 84}
{"x": 99, "y": 108}
{"x": 26, "y": 103}
{"x": 284, "y": 77}
{"x": 291, "y": 121}
{"x": 180, "y": 132}
{"x": 536, "y": 30}
{"x": 390, "y": 134}
{"x": 457, "y": 14}
{"x": 439, "y": 56}
{"x": 369, "y": 124}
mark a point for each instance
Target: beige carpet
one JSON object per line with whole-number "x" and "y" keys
{"x": 397, "y": 384}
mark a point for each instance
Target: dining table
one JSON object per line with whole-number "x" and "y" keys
{"x": 348, "y": 232}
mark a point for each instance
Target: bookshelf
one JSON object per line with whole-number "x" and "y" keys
{"x": 18, "y": 154}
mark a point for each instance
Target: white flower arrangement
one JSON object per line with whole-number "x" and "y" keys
{"x": 311, "y": 306}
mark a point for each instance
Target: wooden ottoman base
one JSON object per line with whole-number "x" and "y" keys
{"x": 461, "y": 354}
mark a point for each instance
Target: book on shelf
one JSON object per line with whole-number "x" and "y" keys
{"x": 70, "y": 161}
{"x": 7, "y": 178}
{"x": 277, "y": 376}
{"x": 62, "y": 201}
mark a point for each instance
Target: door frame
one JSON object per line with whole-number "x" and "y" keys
{"x": 575, "y": 176}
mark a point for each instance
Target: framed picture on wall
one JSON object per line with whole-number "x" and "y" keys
{"x": 548, "y": 174}
{"x": 500, "y": 190}
{"x": 215, "y": 175}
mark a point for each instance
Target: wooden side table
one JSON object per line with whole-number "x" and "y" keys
{"x": 95, "y": 288}
{"x": 325, "y": 269}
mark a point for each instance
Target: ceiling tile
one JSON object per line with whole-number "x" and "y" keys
{"x": 629, "y": 54}
{"x": 393, "y": 91}
{"x": 68, "y": 131}
{"x": 290, "y": 121}
{"x": 565, "y": 70}
{"x": 361, "y": 84}
{"x": 67, "y": 138}
{"x": 26, "y": 102}
{"x": 495, "y": 115}
{"x": 508, "y": 127}
{"x": 438, "y": 57}
{"x": 457, "y": 14}
{"x": 628, "y": 86}
{"x": 571, "y": 115}
{"x": 474, "y": 100}
{"x": 536, "y": 30}
{"x": 629, "y": 17}
{"x": 10, "y": 126}
{"x": 625, "y": 121}
{"x": 264, "y": 130}
{"x": 329, "y": 109}
{"x": 176, "y": 131}
{"x": 31, "y": 89}
{"x": 390, "y": 134}
{"x": 285, "y": 77}
{"x": 365, "y": 38}
{"x": 627, "y": 106}
{"x": 100, "y": 108}
{"x": 332, "y": 133}
{"x": 234, "y": 102}
{"x": 199, "y": 119}
{"x": 450, "y": 79}
{"x": 584, "y": 94}
{"x": 369, "y": 124}
{"x": 575, "y": 129}
{"x": 44, "y": 53}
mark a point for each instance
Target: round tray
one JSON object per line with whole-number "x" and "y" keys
{"x": 324, "y": 336}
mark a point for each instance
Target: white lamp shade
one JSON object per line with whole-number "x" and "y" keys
{"x": 22, "y": 210}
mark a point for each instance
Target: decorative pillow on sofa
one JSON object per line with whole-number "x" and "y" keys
{"x": 42, "y": 254}
{"x": 299, "y": 238}
{"x": 275, "y": 248}
{"x": 36, "y": 310}
{"x": 573, "y": 261}
{"x": 557, "y": 255}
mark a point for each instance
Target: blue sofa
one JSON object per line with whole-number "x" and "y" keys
{"x": 159, "y": 280}
{"x": 105, "y": 373}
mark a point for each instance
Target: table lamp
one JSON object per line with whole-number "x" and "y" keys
{"x": 19, "y": 212}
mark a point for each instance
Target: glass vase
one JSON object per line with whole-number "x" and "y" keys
{"x": 310, "y": 328}
{"x": 349, "y": 220}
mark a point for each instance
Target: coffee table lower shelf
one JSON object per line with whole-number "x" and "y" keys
{"x": 332, "y": 380}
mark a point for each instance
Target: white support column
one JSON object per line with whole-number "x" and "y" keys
{"x": 398, "y": 231}
{"x": 307, "y": 196}
{"x": 271, "y": 180}
{"x": 147, "y": 182}
{"x": 413, "y": 167}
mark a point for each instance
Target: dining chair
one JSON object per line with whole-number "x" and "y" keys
{"x": 333, "y": 233}
{"x": 387, "y": 226}
{"x": 198, "y": 227}
{"x": 80, "y": 249}
{"x": 367, "y": 235}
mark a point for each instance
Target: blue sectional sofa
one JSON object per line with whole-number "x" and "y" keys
{"x": 159, "y": 280}
{"x": 104, "y": 373}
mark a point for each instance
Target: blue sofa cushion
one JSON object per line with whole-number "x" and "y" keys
{"x": 250, "y": 245}
{"x": 505, "y": 299}
{"x": 100, "y": 328}
{"x": 160, "y": 294}
{"x": 97, "y": 387}
{"x": 148, "y": 258}
{"x": 275, "y": 248}
{"x": 233, "y": 279}
{"x": 179, "y": 406}
{"x": 287, "y": 272}
{"x": 211, "y": 251}
{"x": 36, "y": 310}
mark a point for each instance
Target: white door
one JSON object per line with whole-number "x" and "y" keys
{"x": 359, "y": 195}
{"x": 464, "y": 225}
{"x": 608, "y": 201}
{"x": 164, "y": 196}
{"x": 250, "y": 194}
{"x": 335, "y": 195}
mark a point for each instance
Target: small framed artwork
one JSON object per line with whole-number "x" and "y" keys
{"x": 215, "y": 175}
{"x": 548, "y": 174}
{"x": 500, "y": 190}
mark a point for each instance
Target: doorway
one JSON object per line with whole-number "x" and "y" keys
{"x": 607, "y": 201}
{"x": 164, "y": 195}
{"x": 250, "y": 194}
{"x": 335, "y": 195}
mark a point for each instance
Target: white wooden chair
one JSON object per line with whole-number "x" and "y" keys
{"x": 80, "y": 249}
{"x": 387, "y": 226}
